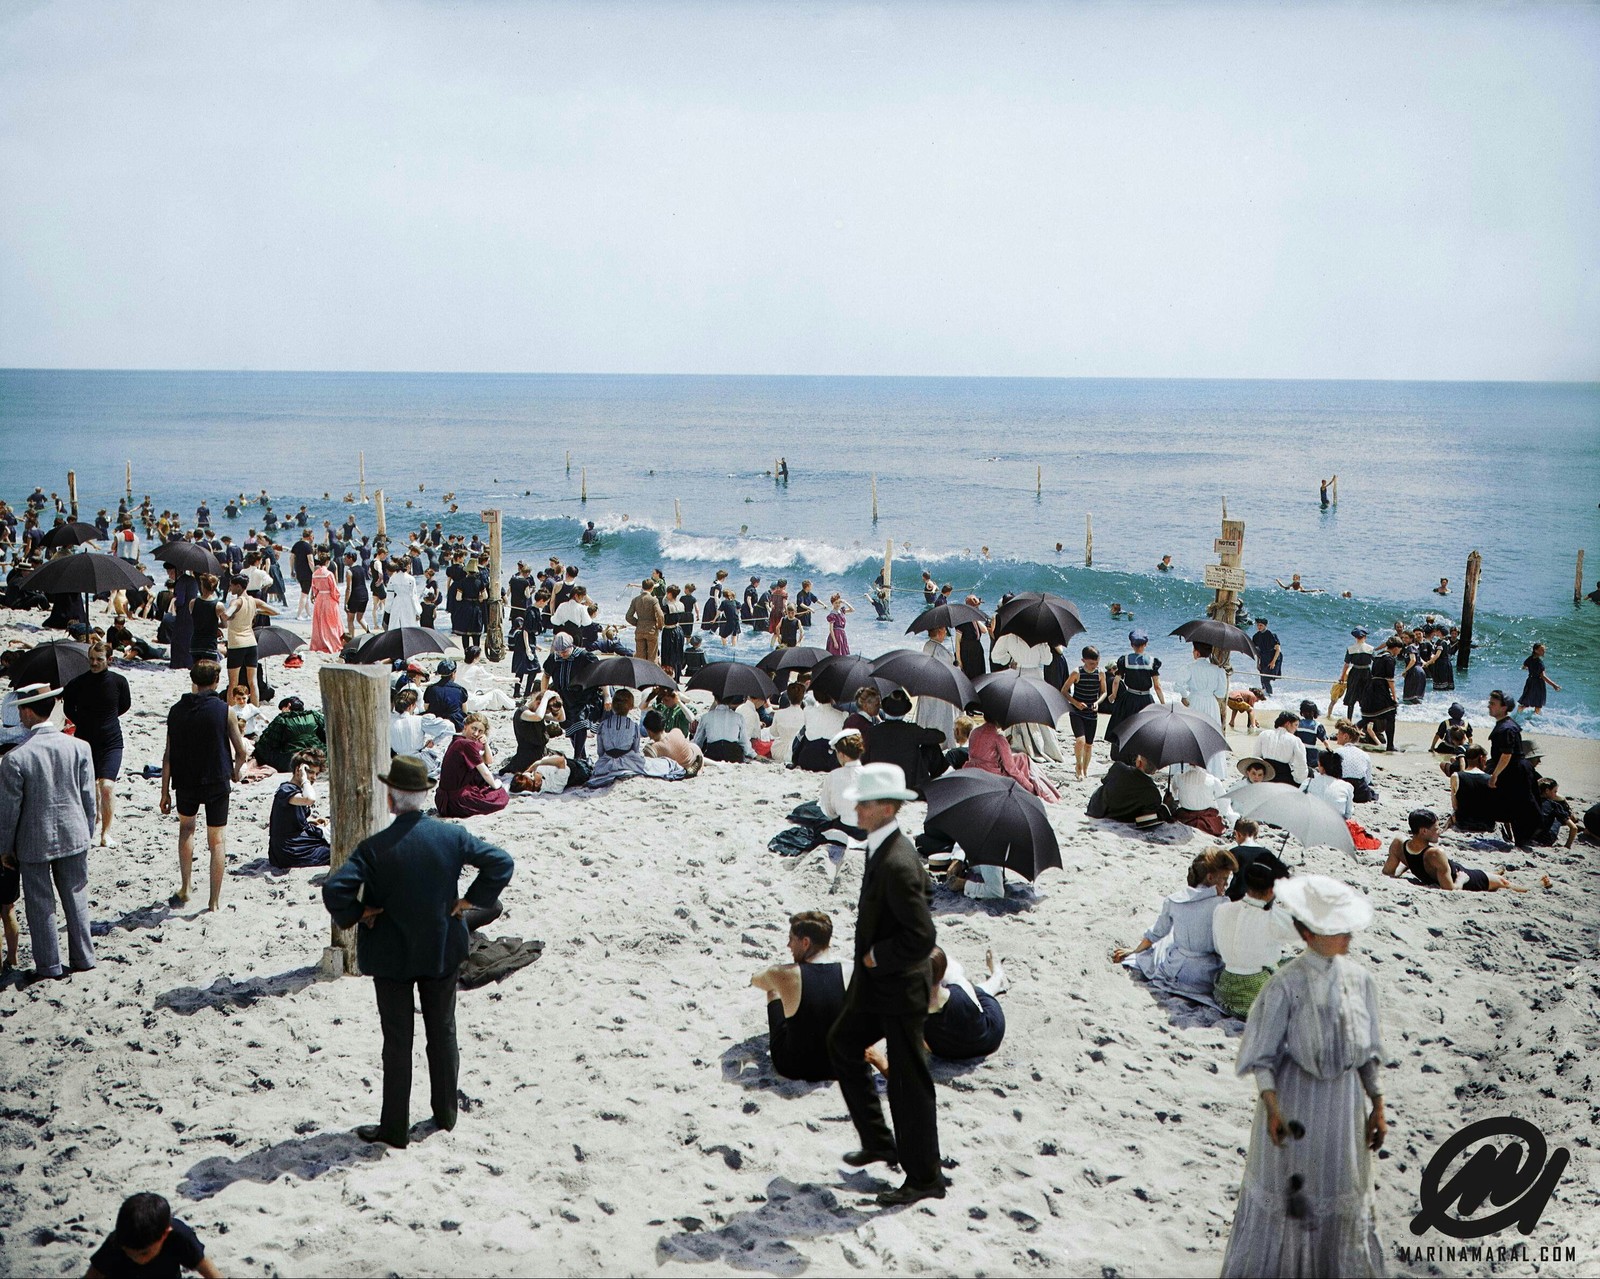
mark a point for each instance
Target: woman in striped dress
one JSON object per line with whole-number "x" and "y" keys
{"x": 1312, "y": 1043}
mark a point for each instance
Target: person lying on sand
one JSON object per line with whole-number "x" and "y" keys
{"x": 1422, "y": 856}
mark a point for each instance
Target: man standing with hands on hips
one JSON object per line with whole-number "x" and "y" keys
{"x": 401, "y": 886}
{"x": 888, "y": 995}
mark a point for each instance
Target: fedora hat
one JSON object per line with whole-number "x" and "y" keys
{"x": 1270, "y": 765}
{"x": 408, "y": 773}
{"x": 879, "y": 782}
{"x": 1324, "y": 905}
{"x": 29, "y": 693}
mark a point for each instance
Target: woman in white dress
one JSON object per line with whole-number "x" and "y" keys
{"x": 1037, "y": 741}
{"x": 402, "y": 596}
{"x": 930, "y": 712}
{"x": 1203, "y": 685}
{"x": 1312, "y": 1043}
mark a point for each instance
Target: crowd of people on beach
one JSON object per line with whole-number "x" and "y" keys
{"x": 1241, "y": 935}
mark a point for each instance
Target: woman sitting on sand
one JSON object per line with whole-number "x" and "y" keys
{"x": 1422, "y": 856}
{"x": 989, "y": 751}
{"x": 619, "y": 740}
{"x": 1177, "y": 955}
{"x": 467, "y": 784}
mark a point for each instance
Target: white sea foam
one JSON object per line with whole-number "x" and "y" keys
{"x": 753, "y": 552}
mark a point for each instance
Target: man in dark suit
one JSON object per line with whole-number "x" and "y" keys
{"x": 888, "y": 996}
{"x": 401, "y": 885}
{"x": 916, "y": 751}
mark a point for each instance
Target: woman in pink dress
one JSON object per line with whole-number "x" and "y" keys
{"x": 838, "y": 643}
{"x": 466, "y": 786}
{"x": 327, "y": 623}
{"x": 988, "y": 749}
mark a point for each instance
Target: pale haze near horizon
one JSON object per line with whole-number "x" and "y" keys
{"x": 1109, "y": 190}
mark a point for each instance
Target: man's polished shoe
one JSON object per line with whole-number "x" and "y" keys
{"x": 910, "y": 1193}
{"x": 375, "y": 1133}
{"x": 861, "y": 1158}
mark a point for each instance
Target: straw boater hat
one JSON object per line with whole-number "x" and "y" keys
{"x": 879, "y": 782}
{"x": 36, "y": 693}
{"x": 842, "y": 734}
{"x": 406, "y": 772}
{"x": 1325, "y": 906}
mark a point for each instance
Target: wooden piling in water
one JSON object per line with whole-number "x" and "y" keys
{"x": 1577, "y": 580}
{"x": 1469, "y": 603}
{"x": 1088, "y": 540}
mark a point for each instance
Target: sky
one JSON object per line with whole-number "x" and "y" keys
{"x": 994, "y": 189}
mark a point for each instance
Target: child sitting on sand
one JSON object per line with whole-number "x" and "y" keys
{"x": 149, "y": 1240}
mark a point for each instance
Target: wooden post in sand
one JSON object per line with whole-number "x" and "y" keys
{"x": 1469, "y": 604}
{"x": 1577, "y": 580}
{"x": 1088, "y": 540}
{"x": 677, "y": 513}
{"x": 874, "y": 497}
{"x": 1225, "y": 577}
{"x": 72, "y": 501}
{"x": 494, "y": 640}
{"x": 383, "y": 528}
{"x": 361, "y": 464}
{"x": 355, "y": 706}
{"x": 583, "y": 484}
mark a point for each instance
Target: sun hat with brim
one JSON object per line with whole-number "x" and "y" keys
{"x": 36, "y": 693}
{"x": 1269, "y": 765}
{"x": 879, "y": 782}
{"x": 1324, "y": 905}
{"x": 408, "y": 773}
{"x": 842, "y": 734}
{"x": 1531, "y": 749}
{"x": 1149, "y": 821}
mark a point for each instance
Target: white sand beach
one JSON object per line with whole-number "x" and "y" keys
{"x": 622, "y": 1117}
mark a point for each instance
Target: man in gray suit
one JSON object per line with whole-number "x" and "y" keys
{"x": 47, "y": 819}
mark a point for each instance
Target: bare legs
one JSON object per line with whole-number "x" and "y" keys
{"x": 104, "y": 785}
{"x": 216, "y": 839}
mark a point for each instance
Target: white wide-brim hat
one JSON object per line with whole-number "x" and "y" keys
{"x": 1324, "y": 905}
{"x": 842, "y": 734}
{"x": 879, "y": 782}
{"x": 38, "y": 693}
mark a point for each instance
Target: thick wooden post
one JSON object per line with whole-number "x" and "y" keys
{"x": 677, "y": 514}
{"x": 72, "y": 501}
{"x": 355, "y": 704}
{"x": 1088, "y": 540}
{"x": 888, "y": 563}
{"x": 583, "y": 484}
{"x": 569, "y": 461}
{"x": 383, "y": 528}
{"x": 1577, "y": 580}
{"x": 874, "y": 498}
{"x": 127, "y": 476}
{"x": 1229, "y": 547}
{"x": 1038, "y": 481}
{"x": 494, "y": 640}
{"x": 1469, "y": 604}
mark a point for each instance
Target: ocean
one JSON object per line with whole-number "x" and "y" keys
{"x": 1427, "y": 472}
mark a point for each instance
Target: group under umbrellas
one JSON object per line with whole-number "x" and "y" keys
{"x": 995, "y": 821}
{"x": 87, "y": 573}
{"x": 70, "y": 533}
{"x": 187, "y": 557}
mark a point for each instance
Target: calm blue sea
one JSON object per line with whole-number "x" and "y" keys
{"x": 1427, "y": 472}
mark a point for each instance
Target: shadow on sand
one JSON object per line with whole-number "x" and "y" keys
{"x": 749, "y": 1064}
{"x": 304, "y": 1157}
{"x": 761, "y": 1240}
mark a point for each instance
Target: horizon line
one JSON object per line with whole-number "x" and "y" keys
{"x": 907, "y": 377}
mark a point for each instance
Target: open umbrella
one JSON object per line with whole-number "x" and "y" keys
{"x": 835, "y": 679}
{"x": 54, "y": 662}
{"x": 187, "y": 557}
{"x": 625, "y": 672}
{"x": 1310, "y": 819}
{"x": 923, "y": 675}
{"x": 87, "y": 574}
{"x": 1039, "y": 618}
{"x": 1221, "y": 635}
{"x": 72, "y": 533}
{"x": 1008, "y": 698}
{"x": 404, "y": 642}
{"x": 947, "y": 616}
{"x": 733, "y": 679}
{"x": 1168, "y": 735}
{"x": 996, "y": 822}
{"x": 276, "y": 641}
{"x": 801, "y": 658}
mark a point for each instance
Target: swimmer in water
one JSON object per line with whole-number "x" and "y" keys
{"x": 1118, "y": 611}
{"x": 1443, "y": 588}
{"x": 1058, "y": 548}
{"x": 1332, "y": 479}
{"x": 1166, "y": 564}
{"x": 1293, "y": 584}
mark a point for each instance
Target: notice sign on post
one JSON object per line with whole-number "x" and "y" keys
{"x": 1226, "y": 546}
{"x": 1219, "y": 577}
